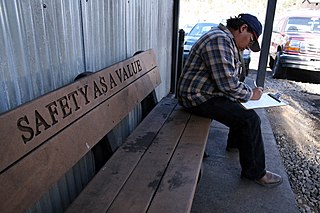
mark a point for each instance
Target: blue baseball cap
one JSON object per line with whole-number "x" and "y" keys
{"x": 256, "y": 27}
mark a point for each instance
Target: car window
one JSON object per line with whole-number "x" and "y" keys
{"x": 196, "y": 30}
{"x": 278, "y": 27}
{"x": 316, "y": 24}
{"x": 200, "y": 29}
{"x": 205, "y": 29}
{"x": 302, "y": 24}
{"x": 316, "y": 27}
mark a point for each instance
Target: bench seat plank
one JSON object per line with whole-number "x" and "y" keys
{"x": 104, "y": 187}
{"x": 177, "y": 188}
{"x": 161, "y": 178}
{"x": 138, "y": 191}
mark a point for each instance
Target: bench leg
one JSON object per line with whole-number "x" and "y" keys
{"x": 200, "y": 173}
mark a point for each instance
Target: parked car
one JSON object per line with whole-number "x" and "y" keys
{"x": 246, "y": 58}
{"x": 187, "y": 28}
{"x": 295, "y": 43}
{"x": 196, "y": 32}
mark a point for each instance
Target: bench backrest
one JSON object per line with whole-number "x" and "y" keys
{"x": 43, "y": 139}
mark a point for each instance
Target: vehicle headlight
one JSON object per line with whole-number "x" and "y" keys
{"x": 293, "y": 46}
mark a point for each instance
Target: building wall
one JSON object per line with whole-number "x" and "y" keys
{"x": 45, "y": 44}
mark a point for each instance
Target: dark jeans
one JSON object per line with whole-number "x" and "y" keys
{"x": 244, "y": 132}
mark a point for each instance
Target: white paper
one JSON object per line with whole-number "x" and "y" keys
{"x": 264, "y": 101}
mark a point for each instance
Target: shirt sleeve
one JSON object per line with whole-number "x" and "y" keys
{"x": 220, "y": 57}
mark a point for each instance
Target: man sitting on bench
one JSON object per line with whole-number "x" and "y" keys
{"x": 209, "y": 86}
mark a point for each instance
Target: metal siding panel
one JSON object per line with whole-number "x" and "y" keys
{"x": 120, "y": 132}
{"x": 41, "y": 51}
{"x": 64, "y": 40}
{"x": 138, "y": 26}
{"x": 149, "y": 25}
{"x": 105, "y": 39}
{"x": 61, "y": 194}
{"x": 165, "y": 26}
{"x": 104, "y": 33}
{"x": 12, "y": 55}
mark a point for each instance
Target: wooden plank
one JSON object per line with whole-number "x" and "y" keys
{"x": 139, "y": 189}
{"x": 22, "y": 184}
{"x": 30, "y": 125}
{"x": 177, "y": 188}
{"x": 101, "y": 191}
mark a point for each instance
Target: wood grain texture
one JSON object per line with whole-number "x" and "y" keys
{"x": 29, "y": 126}
{"x": 156, "y": 170}
{"x": 104, "y": 188}
{"x": 28, "y": 170}
{"x": 139, "y": 189}
{"x": 178, "y": 185}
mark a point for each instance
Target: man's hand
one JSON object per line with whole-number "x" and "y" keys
{"x": 257, "y": 93}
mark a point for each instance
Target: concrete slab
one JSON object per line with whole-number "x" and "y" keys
{"x": 221, "y": 189}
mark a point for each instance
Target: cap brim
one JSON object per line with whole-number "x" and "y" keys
{"x": 255, "y": 47}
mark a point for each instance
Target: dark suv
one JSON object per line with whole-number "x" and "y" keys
{"x": 295, "y": 43}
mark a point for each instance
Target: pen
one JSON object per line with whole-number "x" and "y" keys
{"x": 274, "y": 97}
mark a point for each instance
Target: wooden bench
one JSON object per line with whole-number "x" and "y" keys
{"x": 155, "y": 170}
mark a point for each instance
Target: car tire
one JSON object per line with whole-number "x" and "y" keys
{"x": 271, "y": 62}
{"x": 278, "y": 71}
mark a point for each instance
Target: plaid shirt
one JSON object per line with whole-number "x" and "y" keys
{"x": 212, "y": 70}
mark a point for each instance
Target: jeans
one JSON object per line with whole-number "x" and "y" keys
{"x": 244, "y": 132}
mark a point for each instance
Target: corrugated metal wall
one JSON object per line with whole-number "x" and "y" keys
{"x": 40, "y": 50}
{"x": 45, "y": 44}
{"x": 136, "y": 25}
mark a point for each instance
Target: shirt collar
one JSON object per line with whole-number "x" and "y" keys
{"x": 226, "y": 30}
{"x": 230, "y": 35}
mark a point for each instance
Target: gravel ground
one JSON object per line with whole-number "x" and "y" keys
{"x": 296, "y": 129}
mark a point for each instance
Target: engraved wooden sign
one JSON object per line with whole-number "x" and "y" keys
{"x": 33, "y": 124}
